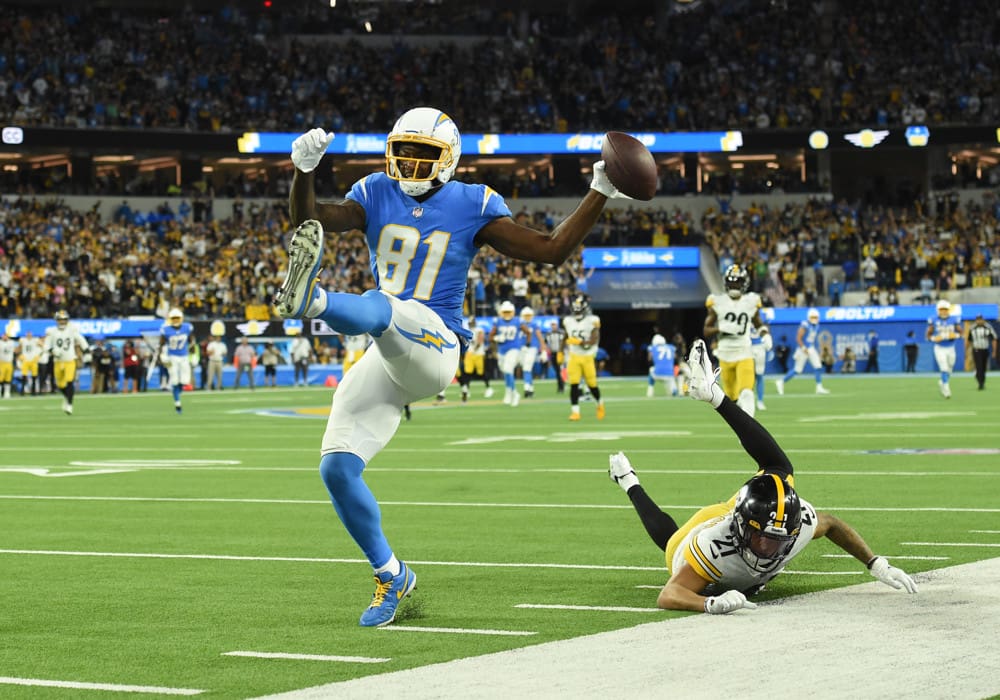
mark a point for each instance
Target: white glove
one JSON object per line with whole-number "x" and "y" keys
{"x": 309, "y": 148}
{"x": 702, "y": 384}
{"x": 602, "y": 184}
{"x": 891, "y": 576}
{"x": 727, "y": 602}
{"x": 767, "y": 341}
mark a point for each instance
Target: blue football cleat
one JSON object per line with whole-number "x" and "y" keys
{"x": 389, "y": 591}
{"x": 305, "y": 253}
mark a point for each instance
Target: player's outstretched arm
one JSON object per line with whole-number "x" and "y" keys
{"x": 681, "y": 593}
{"x": 307, "y": 152}
{"x": 848, "y": 539}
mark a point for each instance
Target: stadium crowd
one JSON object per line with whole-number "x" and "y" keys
{"x": 756, "y": 64}
{"x": 52, "y": 257}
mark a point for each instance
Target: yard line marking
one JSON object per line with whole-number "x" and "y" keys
{"x": 475, "y": 504}
{"x": 46, "y": 472}
{"x": 986, "y": 532}
{"x": 308, "y": 657}
{"x": 952, "y": 544}
{"x": 110, "y": 687}
{"x": 598, "y": 608}
{"x": 459, "y": 630}
{"x": 889, "y": 556}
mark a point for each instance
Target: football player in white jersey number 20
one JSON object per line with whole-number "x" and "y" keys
{"x": 729, "y": 551}
{"x": 423, "y": 230}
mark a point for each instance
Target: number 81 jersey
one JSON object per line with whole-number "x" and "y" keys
{"x": 735, "y": 318}
{"x": 423, "y": 250}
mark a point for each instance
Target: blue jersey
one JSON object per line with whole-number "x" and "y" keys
{"x": 663, "y": 359}
{"x": 811, "y": 336}
{"x": 177, "y": 338}
{"x": 423, "y": 250}
{"x": 943, "y": 331}
{"x": 508, "y": 334}
{"x": 534, "y": 333}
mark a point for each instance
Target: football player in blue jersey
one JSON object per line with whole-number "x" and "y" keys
{"x": 423, "y": 230}
{"x": 175, "y": 335}
{"x": 808, "y": 341}
{"x": 508, "y": 336}
{"x": 943, "y": 330}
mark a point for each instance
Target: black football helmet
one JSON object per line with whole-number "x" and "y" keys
{"x": 737, "y": 280}
{"x": 766, "y": 521}
{"x": 581, "y": 305}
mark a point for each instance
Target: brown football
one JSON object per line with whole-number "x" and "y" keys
{"x": 629, "y": 165}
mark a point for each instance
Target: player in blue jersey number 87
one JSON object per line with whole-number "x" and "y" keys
{"x": 423, "y": 230}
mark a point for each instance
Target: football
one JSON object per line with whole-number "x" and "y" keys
{"x": 629, "y": 165}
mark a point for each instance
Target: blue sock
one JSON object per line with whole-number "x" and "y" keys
{"x": 819, "y": 376}
{"x": 508, "y": 381}
{"x": 355, "y": 504}
{"x": 354, "y": 314}
{"x": 177, "y": 392}
{"x": 760, "y": 388}
{"x": 945, "y": 376}
{"x": 528, "y": 378}
{"x": 652, "y": 382}
{"x": 791, "y": 373}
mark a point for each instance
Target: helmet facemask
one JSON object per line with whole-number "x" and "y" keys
{"x": 737, "y": 281}
{"x": 422, "y": 150}
{"x": 766, "y": 522}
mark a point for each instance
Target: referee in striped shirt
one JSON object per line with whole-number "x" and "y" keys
{"x": 983, "y": 340}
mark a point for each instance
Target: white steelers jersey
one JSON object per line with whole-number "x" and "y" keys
{"x": 582, "y": 328}
{"x": 63, "y": 342}
{"x": 711, "y": 551}
{"x": 735, "y": 318}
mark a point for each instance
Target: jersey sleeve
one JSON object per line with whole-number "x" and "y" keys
{"x": 699, "y": 558}
{"x": 361, "y": 191}
{"x": 710, "y": 301}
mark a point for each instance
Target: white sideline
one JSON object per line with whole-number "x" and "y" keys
{"x": 861, "y": 641}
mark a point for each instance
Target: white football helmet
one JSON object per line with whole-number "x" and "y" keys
{"x": 813, "y": 315}
{"x": 507, "y": 310}
{"x": 658, "y": 340}
{"x": 943, "y": 308}
{"x": 175, "y": 317}
{"x": 527, "y": 313}
{"x": 427, "y": 127}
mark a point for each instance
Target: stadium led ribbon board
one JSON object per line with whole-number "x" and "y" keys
{"x": 510, "y": 144}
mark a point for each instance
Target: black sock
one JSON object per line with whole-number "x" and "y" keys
{"x": 596, "y": 393}
{"x": 658, "y": 524}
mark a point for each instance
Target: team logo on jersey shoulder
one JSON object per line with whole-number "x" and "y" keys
{"x": 430, "y": 339}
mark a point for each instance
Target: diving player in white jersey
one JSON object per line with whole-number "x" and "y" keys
{"x": 175, "y": 336}
{"x": 731, "y": 317}
{"x": 728, "y": 551}
{"x": 64, "y": 347}
{"x": 943, "y": 330}
{"x": 423, "y": 230}
{"x": 808, "y": 349}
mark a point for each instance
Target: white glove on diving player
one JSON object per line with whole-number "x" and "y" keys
{"x": 727, "y": 602}
{"x": 702, "y": 384}
{"x": 602, "y": 184}
{"x": 767, "y": 341}
{"x": 891, "y": 576}
{"x": 309, "y": 148}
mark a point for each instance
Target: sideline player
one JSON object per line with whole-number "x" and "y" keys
{"x": 8, "y": 349}
{"x": 64, "y": 348}
{"x": 508, "y": 336}
{"x": 729, "y": 551}
{"x": 423, "y": 231}
{"x": 808, "y": 349}
{"x": 760, "y": 346}
{"x": 30, "y": 351}
{"x": 175, "y": 336}
{"x": 583, "y": 333}
{"x": 534, "y": 346}
{"x": 474, "y": 361}
{"x": 943, "y": 330}
{"x": 731, "y": 316}
{"x": 662, "y": 366}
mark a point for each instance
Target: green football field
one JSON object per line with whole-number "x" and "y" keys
{"x": 166, "y": 554}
